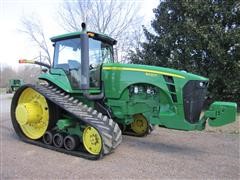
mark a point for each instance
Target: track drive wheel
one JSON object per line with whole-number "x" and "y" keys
{"x": 92, "y": 140}
{"x": 139, "y": 125}
{"x": 31, "y": 113}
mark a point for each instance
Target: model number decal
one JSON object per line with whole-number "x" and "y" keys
{"x": 151, "y": 74}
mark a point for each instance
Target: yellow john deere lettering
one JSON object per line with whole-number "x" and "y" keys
{"x": 143, "y": 70}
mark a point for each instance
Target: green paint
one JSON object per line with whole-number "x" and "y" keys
{"x": 221, "y": 113}
{"x": 101, "y": 36}
{"x": 70, "y": 127}
{"x": 159, "y": 108}
{"x": 130, "y": 89}
{"x": 64, "y": 123}
{"x": 59, "y": 78}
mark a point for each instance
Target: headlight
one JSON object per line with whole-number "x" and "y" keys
{"x": 135, "y": 90}
{"x": 150, "y": 91}
{"x": 201, "y": 84}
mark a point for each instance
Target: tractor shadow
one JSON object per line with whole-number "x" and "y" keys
{"x": 145, "y": 143}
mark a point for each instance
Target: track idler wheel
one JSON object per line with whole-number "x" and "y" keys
{"x": 58, "y": 140}
{"x": 139, "y": 125}
{"x": 92, "y": 140}
{"x": 71, "y": 142}
{"x": 48, "y": 138}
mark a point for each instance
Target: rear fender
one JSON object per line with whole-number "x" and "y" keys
{"x": 221, "y": 113}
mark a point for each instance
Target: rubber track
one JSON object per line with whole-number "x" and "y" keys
{"x": 108, "y": 129}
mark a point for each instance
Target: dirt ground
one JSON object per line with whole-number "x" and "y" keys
{"x": 165, "y": 154}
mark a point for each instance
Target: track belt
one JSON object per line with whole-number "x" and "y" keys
{"x": 110, "y": 132}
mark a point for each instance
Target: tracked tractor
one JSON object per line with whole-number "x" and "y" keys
{"x": 86, "y": 101}
{"x": 13, "y": 85}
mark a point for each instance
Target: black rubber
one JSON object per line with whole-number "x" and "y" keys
{"x": 47, "y": 138}
{"x": 58, "y": 140}
{"x": 57, "y": 99}
{"x": 71, "y": 142}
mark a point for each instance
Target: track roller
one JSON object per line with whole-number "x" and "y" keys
{"x": 48, "y": 138}
{"x": 58, "y": 140}
{"x": 71, "y": 142}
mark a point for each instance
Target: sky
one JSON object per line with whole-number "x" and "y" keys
{"x": 15, "y": 45}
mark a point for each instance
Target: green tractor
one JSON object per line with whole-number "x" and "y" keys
{"x": 13, "y": 85}
{"x": 87, "y": 101}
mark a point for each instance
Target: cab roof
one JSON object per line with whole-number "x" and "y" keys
{"x": 97, "y": 36}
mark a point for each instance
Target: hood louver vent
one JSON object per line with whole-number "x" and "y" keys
{"x": 171, "y": 87}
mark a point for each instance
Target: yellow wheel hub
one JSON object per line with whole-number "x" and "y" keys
{"x": 140, "y": 124}
{"x": 92, "y": 140}
{"x": 28, "y": 113}
{"x": 32, "y": 113}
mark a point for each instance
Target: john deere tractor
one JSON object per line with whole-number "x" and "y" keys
{"x": 87, "y": 101}
{"x": 13, "y": 85}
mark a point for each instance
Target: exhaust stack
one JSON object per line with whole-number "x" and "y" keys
{"x": 84, "y": 85}
{"x": 84, "y": 59}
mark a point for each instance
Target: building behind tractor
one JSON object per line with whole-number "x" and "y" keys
{"x": 88, "y": 101}
{"x": 13, "y": 85}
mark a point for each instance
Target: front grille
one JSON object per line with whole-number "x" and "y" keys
{"x": 194, "y": 93}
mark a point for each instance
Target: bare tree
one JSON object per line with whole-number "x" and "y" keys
{"x": 33, "y": 28}
{"x": 29, "y": 74}
{"x": 6, "y": 73}
{"x": 129, "y": 41}
{"x": 116, "y": 18}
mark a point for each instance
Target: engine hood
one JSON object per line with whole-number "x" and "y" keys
{"x": 154, "y": 70}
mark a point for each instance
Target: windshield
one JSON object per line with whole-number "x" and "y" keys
{"x": 67, "y": 56}
{"x": 67, "y": 51}
{"x": 70, "y": 49}
{"x": 99, "y": 52}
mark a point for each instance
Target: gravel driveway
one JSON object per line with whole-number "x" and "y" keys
{"x": 163, "y": 154}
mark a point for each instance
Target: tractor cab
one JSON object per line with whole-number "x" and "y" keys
{"x": 80, "y": 55}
